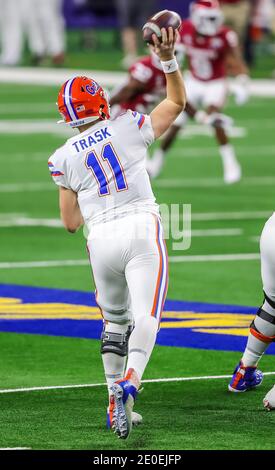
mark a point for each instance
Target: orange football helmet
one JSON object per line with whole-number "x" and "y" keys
{"x": 82, "y": 100}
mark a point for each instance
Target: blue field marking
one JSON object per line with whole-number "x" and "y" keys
{"x": 184, "y": 324}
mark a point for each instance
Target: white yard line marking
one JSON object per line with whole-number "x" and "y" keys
{"x": 195, "y": 216}
{"x": 216, "y": 232}
{"x": 102, "y": 384}
{"x": 50, "y": 76}
{"x": 172, "y": 259}
{"x": 18, "y": 126}
{"x": 209, "y": 152}
{"x": 255, "y": 239}
{"x": 11, "y": 221}
{"x": 44, "y": 264}
{"x": 15, "y": 448}
{"x": 37, "y": 157}
{"x": 207, "y": 258}
{"x": 29, "y": 222}
{"x": 26, "y": 187}
{"x": 27, "y": 108}
{"x": 192, "y": 130}
{"x": 211, "y": 216}
{"x": 212, "y": 182}
{"x": 161, "y": 183}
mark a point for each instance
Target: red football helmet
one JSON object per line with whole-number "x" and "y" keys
{"x": 206, "y": 16}
{"x": 82, "y": 100}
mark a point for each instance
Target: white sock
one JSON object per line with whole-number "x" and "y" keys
{"x": 114, "y": 365}
{"x": 255, "y": 348}
{"x": 141, "y": 343}
{"x": 228, "y": 155}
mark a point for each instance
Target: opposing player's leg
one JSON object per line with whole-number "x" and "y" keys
{"x": 232, "y": 172}
{"x": 262, "y": 330}
{"x": 213, "y": 100}
{"x": 147, "y": 279}
{"x": 155, "y": 164}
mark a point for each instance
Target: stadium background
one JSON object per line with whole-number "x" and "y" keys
{"x": 48, "y": 320}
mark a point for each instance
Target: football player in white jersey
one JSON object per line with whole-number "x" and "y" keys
{"x": 262, "y": 330}
{"x": 103, "y": 183}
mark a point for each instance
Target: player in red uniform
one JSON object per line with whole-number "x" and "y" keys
{"x": 212, "y": 51}
{"x": 145, "y": 85}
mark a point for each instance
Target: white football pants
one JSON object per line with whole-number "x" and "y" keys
{"x": 267, "y": 247}
{"x": 41, "y": 21}
{"x": 129, "y": 263}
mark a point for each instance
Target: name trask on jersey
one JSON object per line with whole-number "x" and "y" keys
{"x": 105, "y": 166}
{"x": 92, "y": 139}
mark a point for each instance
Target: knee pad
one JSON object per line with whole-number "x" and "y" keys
{"x": 116, "y": 343}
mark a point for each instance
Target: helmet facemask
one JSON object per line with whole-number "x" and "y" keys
{"x": 207, "y": 21}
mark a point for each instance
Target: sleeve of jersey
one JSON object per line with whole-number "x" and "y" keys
{"x": 144, "y": 124}
{"x": 57, "y": 171}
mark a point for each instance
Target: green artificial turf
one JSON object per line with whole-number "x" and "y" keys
{"x": 185, "y": 415}
{"x": 199, "y": 414}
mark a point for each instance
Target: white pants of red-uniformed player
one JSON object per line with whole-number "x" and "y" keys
{"x": 129, "y": 263}
{"x": 40, "y": 21}
{"x": 203, "y": 94}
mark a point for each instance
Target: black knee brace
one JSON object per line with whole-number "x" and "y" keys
{"x": 269, "y": 301}
{"x": 116, "y": 343}
{"x": 266, "y": 316}
{"x": 254, "y": 330}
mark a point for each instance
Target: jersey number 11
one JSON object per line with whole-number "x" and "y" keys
{"x": 94, "y": 164}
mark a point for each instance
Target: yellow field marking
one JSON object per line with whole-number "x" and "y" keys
{"x": 215, "y": 323}
{"x": 14, "y": 309}
{"x": 225, "y": 331}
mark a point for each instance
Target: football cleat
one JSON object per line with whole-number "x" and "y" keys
{"x": 245, "y": 378}
{"x": 269, "y": 400}
{"x": 136, "y": 417}
{"x": 124, "y": 394}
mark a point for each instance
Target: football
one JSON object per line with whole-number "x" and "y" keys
{"x": 162, "y": 19}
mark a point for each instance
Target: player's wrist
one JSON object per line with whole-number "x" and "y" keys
{"x": 169, "y": 65}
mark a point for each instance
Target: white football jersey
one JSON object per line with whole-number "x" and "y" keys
{"x": 105, "y": 166}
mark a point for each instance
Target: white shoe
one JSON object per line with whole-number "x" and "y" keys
{"x": 269, "y": 400}
{"x": 155, "y": 164}
{"x": 136, "y": 419}
{"x": 232, "y": 173}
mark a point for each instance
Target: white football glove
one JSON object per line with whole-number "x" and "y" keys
{"x": 213, "y": 119}
{"x": 240, "y": 89}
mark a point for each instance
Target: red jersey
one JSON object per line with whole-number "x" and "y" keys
{"x": 206, "y": 54}
{"x": 145, "y": 70}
